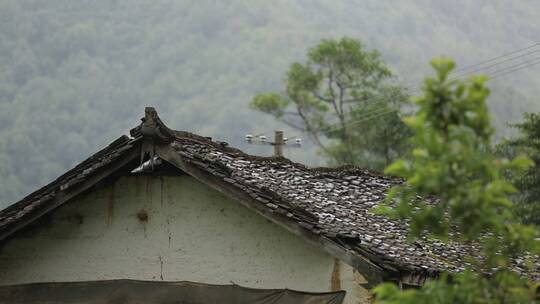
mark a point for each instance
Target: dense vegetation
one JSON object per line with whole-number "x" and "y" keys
{"x": 76, "y": 74}
{"x": 452, "y": 159}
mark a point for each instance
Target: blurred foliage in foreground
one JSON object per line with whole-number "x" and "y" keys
{"x": 452, "y": 161}
{"x": 528, "y": 183}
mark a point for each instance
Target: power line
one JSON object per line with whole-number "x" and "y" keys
{"x": 497, "y": 73}
{"x": 498, "y": 57}
{"x": 498, "y": 63}
{"x": 513, "y": 70}
{"x": 375, "y": 116}
{"x": 370, "y": 115}
{"x": 465, "y": 74}
{"x": 516, "y": 67}
{"x": 501, "y": 72}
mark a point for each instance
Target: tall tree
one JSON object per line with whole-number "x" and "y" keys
{"x": 528, "y": 183}
{"x": 452, "y": 161}
{"x": 334, "y": 95}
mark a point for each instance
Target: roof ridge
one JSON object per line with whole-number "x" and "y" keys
{"x": 164, "y": 133}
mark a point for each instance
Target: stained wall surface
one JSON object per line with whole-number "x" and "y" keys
{"x": 170, "y": 228}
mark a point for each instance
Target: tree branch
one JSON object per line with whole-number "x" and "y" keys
{"x": 290, "y": 113}
{"x": 318, "y": 96}
{"x": 332, "y": 93}
{"x": 311, "y": 132}
{"x": 293, "y": 125}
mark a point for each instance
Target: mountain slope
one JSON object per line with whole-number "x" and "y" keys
{"x": 76, "y": 74}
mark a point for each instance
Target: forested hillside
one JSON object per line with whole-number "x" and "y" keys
{"x": 74, "y": 75}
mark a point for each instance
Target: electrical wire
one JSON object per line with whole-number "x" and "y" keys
{"x": 501, "y": 72}
{"x": 461, "y": 72}
{"x": 498, "y": 57}
{"x": 513, "y": 70}
{"x": 501, "y": 62}
{"x": 516, "y": 67}
{"x": 496, "y": 73}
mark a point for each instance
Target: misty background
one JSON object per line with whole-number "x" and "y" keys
{"x": 75, "y": 75}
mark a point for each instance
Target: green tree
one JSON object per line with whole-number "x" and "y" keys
{"x": 451, "y": 161}
{"x": 332, "y": 97}
{"x": 528, "y": 183}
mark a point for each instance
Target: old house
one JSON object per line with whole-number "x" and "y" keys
{"x": 166, "y": 216}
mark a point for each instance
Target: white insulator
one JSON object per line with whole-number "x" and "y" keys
{"x": 249, "y": 137}
{"x": 262, "y": 138}
{"x": 298, "y": 141}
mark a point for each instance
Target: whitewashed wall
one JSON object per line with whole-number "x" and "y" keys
{"x": 192, "y": 233}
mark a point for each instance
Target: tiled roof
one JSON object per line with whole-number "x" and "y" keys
{"x": 330, "y": 204}
{"x": 335, "y": 203}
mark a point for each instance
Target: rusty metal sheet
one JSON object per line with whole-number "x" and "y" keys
{"x": 153, "y": 292}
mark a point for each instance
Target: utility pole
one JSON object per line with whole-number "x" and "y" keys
{"x": 278, "y": 143}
